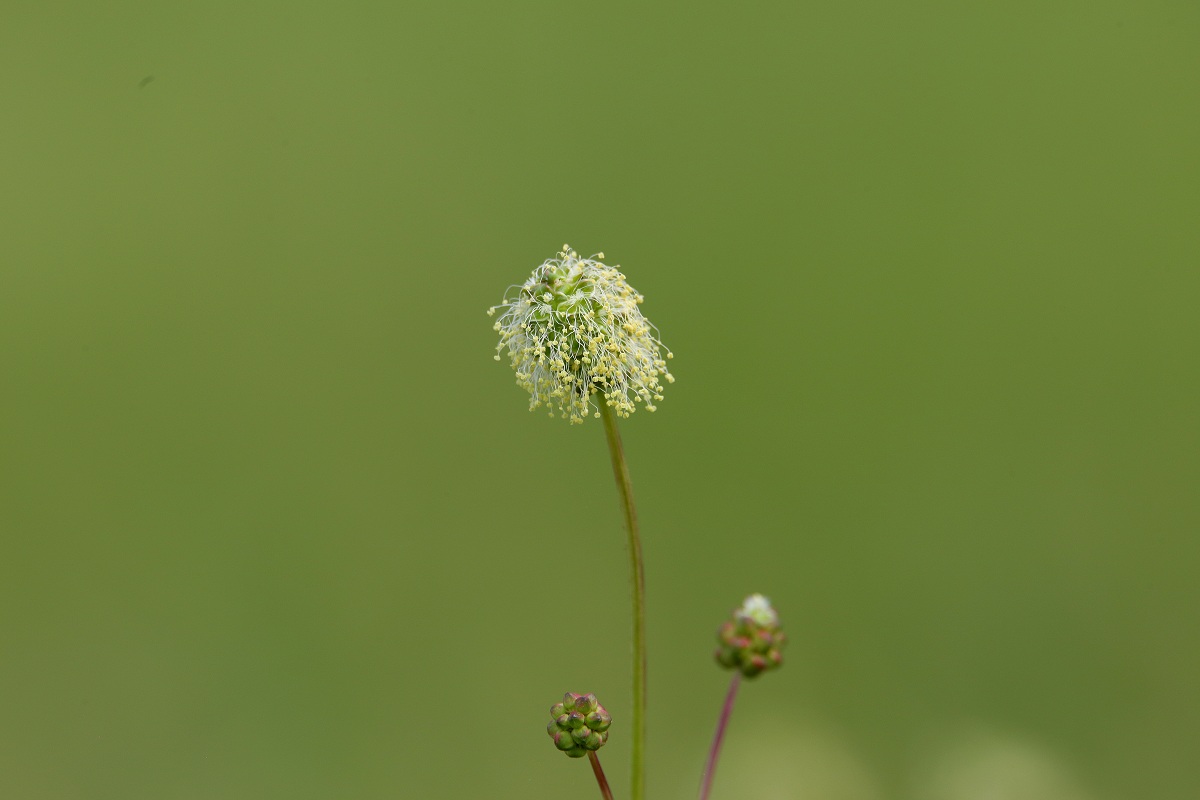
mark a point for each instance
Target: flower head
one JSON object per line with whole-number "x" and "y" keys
{"x": 573, "y": 331}
{"x": 758, "y": 609}
{"x": 579, "y": 724}
{"x": 751, "y": 641}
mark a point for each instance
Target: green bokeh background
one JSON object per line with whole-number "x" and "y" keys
{"x": 275, "y": 525}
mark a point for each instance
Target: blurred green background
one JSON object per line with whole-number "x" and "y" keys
{"x": 275, "y": 524}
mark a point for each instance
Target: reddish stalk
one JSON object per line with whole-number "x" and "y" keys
{"x": 600, "y": 779}
{"x": 714, "y": 752}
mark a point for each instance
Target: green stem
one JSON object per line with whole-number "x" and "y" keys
{"x": 638, "y": 581}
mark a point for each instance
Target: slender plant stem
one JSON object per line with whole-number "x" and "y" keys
{"x": 600, "y": 779}
{"x": 638, "y": 581}
{"x": 714, "y": 752}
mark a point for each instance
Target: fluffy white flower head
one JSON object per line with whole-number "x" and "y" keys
{"x": 758, "y": 608}
{"x": 573, "y": 331}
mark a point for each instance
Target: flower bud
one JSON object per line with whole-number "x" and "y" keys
{"x": 599, "y": 720}
{"x": 751, "y": 641}
{"x": 579, "y": 724}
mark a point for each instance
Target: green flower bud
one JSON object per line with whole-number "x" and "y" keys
{"x": 599, "y": 720}
{"x": 579, "y": 724}
{"x": 751, "y": 641}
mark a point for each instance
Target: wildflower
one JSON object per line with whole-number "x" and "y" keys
{"x": 758, "y": 609}
{"x": 580, "y": 724}
{"x": 574, "y": 331}
{"x": 751, "y": 641}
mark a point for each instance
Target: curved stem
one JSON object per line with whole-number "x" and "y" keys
{"x": 600, "y": 779}
{"x": 638, "y": 581}
{"x": 714, "y": 752}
